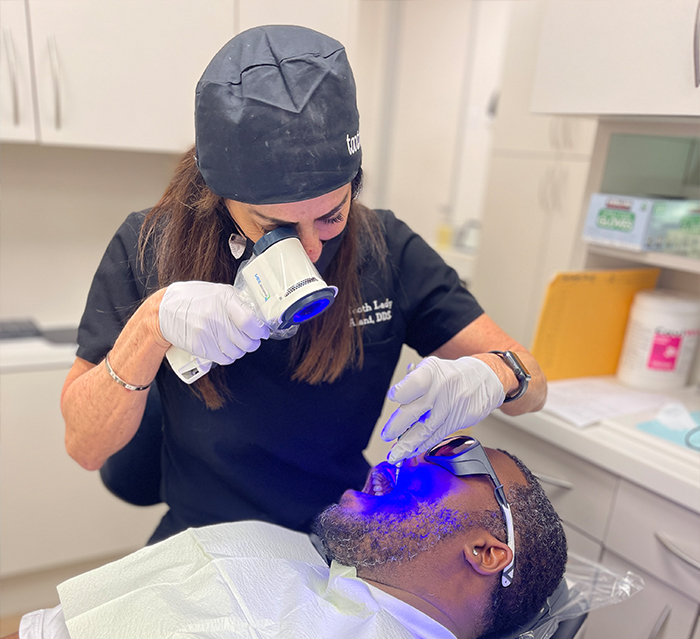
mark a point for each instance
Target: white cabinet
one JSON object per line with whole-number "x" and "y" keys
{"x": 530, "y": 226}
{"x": 534, "y": 190}
{"x": 656, "y": 612}
{"x": 122, "y": 73}
{"x": 54, "y": 512}
{"x": 658, "y": 535}
{"x": 17, "y": 123}
{"x": 619, "y": 57}
{"x": 538, "y": 186}
{"x": 517, "y": 129}
{"x": 581, "y": 544}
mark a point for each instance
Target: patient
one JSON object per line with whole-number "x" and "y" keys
{"x": 440, "y": 552}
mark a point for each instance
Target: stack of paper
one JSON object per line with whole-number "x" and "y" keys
{"x": 586, "y": 401}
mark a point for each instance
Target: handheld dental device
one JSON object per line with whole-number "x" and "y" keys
{"x": 282, "y": 286}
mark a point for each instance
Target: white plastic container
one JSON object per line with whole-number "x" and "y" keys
{"x": 660, "y": 341}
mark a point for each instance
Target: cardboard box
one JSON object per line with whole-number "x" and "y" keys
{"x": 674, "y": 228}
{"x": 617, "y": 220}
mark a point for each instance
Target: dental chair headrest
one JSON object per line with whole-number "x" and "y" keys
{"x": 549, "y": 611}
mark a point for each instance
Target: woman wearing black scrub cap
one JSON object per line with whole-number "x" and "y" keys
{"x": 276, "y": 431}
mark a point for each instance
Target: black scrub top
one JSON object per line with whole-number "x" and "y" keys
{"x": 280, "y": 450}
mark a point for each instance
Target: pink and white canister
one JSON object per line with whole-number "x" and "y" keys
{"x": 661, "y": 340}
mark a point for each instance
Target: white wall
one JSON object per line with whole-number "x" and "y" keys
{"x": 60, "y": 207}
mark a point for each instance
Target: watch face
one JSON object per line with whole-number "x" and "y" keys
{"x": 521, "y": 373}
{"x": 517, "y": 365}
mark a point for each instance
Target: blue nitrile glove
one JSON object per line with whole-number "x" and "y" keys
{"x": 437, "y": 398}
{"x": 210, "y": 321}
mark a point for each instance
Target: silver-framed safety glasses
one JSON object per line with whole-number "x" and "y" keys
{"x": 464, "y": 456}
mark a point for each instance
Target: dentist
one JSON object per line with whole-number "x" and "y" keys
{"x": 276, "y": 432}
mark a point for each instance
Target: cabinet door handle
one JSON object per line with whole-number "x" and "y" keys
{"x": 554, "y": 132}
{"x": 53, "y": 57}
{"x": 553, "y": 481}
{"x": 567, "y": 132}
{"x": 696, "y": 47}
{"x": 12, "y": 72}
{"x": 559, "y": 179}
{"x": 560, "y": 133}
{"x": 543, "y": 192}
{"x": 547, "y": 194}
{"x": 660, "y": 622}
{"x": 671, "y": 547}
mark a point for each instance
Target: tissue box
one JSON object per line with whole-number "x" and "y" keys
{"x": 617, "y": 220}
{"x": 674, "y": 228}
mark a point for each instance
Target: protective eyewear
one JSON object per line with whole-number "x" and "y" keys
{"x": 464, "y": 456}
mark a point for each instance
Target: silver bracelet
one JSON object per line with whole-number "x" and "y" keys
{"x": 119, "y": 380}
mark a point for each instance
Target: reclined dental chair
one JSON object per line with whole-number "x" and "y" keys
{"x": 547, "y": 619}
{"x": 133, "y": 475}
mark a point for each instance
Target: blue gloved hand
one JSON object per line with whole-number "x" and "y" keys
{"x": 438, "y": 398}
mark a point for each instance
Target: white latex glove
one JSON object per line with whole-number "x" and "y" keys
{"x": 209, "y": 321}
{"x": 437, "y": 398}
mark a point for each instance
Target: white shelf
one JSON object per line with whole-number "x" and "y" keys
{"x": 662, "y": 260}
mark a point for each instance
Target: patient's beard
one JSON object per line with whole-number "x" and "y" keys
{"x": 387, "y": 535}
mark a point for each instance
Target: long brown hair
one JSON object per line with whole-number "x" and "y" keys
{"x": 188, "y": 231}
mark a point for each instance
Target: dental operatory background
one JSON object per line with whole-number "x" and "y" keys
{"x": 548, "y": 149}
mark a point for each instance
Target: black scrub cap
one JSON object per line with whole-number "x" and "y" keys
{"x": 276, "y": 117}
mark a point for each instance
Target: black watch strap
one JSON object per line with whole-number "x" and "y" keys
{"x": 521, "y": 373}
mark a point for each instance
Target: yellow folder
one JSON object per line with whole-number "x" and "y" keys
{"x": 583, "y": 319}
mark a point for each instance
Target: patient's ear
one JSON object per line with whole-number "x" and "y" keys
{"x": 486, "y": 554}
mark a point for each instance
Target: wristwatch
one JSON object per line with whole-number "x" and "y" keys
{"x": 521, "y": 373}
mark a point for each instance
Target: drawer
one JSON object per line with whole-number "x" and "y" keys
{"x": 582, "y": 545}
{"x": 656, "y": 611}
{"x": 54, "y": 512}
{"x": 581, "y": 492}
{"x": 639, "y": 518}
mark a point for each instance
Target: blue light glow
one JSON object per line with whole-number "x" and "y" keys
{"x": 311, "y": 310}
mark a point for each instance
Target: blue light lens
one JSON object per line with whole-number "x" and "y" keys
{"x": 311, "y": 310}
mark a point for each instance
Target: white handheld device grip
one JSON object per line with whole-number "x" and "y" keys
{"x": 186, "y": 366}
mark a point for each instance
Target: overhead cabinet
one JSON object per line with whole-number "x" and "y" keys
{"x": 633, "y": 57}
{"x": 118, "y": 74}
{"x": 17, "y": 122}
{"x": 121, "y": 74}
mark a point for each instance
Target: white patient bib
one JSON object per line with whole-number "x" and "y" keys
{"x": 244, "y": 579}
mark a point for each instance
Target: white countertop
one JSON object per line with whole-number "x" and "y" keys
{"x": 619, "y": 447}
{"x": 36, "y": 353}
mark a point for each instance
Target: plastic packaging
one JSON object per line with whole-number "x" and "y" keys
{"x": 244, "y": 294}
{"x": 661, "y": 340}
{"x": 281, "y": 284}
{"x": 591, "y": 586}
